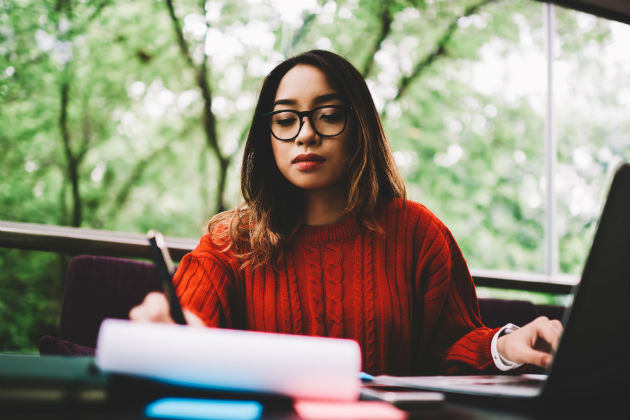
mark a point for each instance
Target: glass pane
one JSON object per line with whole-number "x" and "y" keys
{"x": 592, "y": 108}
{"x": 469, "y": 135}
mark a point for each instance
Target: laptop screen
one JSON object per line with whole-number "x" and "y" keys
{"x": 592, "y": 359}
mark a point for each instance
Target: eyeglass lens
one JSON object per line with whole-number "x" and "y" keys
{"x": 326, "y": 121}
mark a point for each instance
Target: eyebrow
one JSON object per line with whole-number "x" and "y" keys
{"x": 318, "y": 100}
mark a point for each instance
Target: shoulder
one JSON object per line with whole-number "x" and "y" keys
{"x": 411, "y": 211}
{"x": 209, "y": 248}
{"x": 217, "y": 242}
{"x": 207, "y": 260}
{"x": 415, "y": 219}
{"x": 228, "y": 229}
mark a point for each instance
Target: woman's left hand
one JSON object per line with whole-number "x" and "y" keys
{"x": 533, "y": 343}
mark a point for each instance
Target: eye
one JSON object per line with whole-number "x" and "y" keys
{"x": 331, "y": 115}
{"x": 284, "y": 119}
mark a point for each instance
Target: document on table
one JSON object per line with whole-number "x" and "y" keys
{"x": 297, "y": 366}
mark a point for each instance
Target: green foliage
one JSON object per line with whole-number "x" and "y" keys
{"x": 30, "y": 292}
{"x": 538, "y": 298}
{"x": 102, "y": 119}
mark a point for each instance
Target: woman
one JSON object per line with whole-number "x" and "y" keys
{"x": 326, "y": 243}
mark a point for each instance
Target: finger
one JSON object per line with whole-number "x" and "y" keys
{"x": 154, "y": 308}
{"x": 135, "y": 314}
{"x": 535, "y": 357}
{"x": 139, "y": 312}
{"x": 557, "y": 325}
{"x": 542, "y": 345}
{"x": 549, "y": 332}
{"x": 192, "y": 319}
{"x": 153, "y": 297}
{"x": 558, "y": 328}
{"x": 546, "y": 334}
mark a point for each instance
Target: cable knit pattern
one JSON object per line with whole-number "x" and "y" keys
{"x": 370, "y": 329}
{"x": 406, "y": 296}
{"x": 333, "y": 277}
{"x": 315, "y": 290}
{"x": 285, "y": 311}
{"x": 358, "y": 302}
{"x": 295, "y": 302}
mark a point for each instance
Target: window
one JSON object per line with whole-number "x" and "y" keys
{"x": 487, "y": 105}
{"x": 103, "y": 113}
{"x": 512, "y": 137}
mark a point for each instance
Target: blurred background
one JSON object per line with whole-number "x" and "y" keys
{"x": 507, "y": 118}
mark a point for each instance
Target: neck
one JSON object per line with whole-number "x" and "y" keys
{"x": 324, "y": 207}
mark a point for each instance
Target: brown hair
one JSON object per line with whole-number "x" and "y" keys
{"x": 273, "y": 209}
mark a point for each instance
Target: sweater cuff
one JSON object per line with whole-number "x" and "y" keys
{"x": 500, "y": 362}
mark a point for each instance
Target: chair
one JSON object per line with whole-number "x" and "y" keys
{"x": 106, "y": 287}
{"x": 97, "y": 288}
{"x": 498, "y": 312}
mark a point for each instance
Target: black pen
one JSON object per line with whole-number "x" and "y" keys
{"x": 166, "y": 270}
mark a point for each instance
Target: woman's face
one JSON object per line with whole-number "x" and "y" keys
{"x": 311, "y": 162}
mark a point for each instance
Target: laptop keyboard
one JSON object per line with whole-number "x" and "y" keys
{"x": 519, "y": 382}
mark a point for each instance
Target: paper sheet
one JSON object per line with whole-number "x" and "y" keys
{"x": 297, "y": 366}
{"x": 348, "y": 410}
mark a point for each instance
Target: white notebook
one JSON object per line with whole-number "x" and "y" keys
{"x": 296, "y": 366}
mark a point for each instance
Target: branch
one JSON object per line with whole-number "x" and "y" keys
{"x": 63, "y": 120}
{"x": 86, "y": 130}
{"x": 209, "y": 121}
{"x": 181, "y": 41}
{"x": 63, "y": 4}
{"x": 209, "y": 124}
{"x": 243, "y": 136}
{"x": 72, "y": 162}
{"x": 84, "y": 24}
{"x": 98, "y": 10}
{"x": 439, "y": 50}
{"x": 110, "y": 208}
{"x": 386, "y": 27}
{"x": 131, "y": 182}
{"x": 308, "y": 20}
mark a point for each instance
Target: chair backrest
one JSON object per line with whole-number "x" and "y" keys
{"x": 100, "y": 287}
{"x": 498, "y": 312}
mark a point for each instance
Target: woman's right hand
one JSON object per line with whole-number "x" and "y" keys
{"x": 154, "y": 308}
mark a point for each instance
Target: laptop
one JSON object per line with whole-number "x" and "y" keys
{"x": 49, "y": 379}
{"x": 592, "y": 360}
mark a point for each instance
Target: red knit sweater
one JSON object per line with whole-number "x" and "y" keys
{"x": 405, "y": 296}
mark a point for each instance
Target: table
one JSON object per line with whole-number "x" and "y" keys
{"x": 57, "y": 387}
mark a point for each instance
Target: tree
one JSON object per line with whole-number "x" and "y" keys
{"x": 109, "y": 107}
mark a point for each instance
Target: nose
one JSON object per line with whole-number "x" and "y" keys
{"x": 307, "y": 136}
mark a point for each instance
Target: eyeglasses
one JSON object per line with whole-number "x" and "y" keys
{"x": 327, "y": 121}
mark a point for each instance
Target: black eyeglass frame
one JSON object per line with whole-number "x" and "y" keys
{"x": 309, "y": 114}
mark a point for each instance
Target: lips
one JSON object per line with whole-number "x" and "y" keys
{"x": 310, "y": 157}
{"x": 308, "y": 161}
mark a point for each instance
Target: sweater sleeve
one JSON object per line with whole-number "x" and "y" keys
{"x": 206, "y": 284}
{"x": 455, "y": 339}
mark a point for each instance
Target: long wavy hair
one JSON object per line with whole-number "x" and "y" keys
{"x": 273, "y": 209}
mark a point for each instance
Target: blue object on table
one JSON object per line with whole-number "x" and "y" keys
{"x": 194, "y": 408}
{"x": 366, "y": 377}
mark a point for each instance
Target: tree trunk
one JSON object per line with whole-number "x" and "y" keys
{"x": 71, "y": 160}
